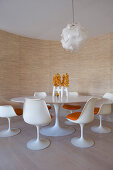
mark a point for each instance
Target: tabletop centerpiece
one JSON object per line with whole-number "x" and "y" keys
{"x": 60, "y": 85}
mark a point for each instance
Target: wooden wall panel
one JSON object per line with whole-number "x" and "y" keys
{"x": 9, "y": 65}
{"x": 28, "y": 65}
{"x": 34, "y": 66}
{"x": 89, "y": 69}
{"x": 111, "y": 61}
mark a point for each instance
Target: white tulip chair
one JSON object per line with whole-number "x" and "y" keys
{"x": 82, "y": 118}
{"x": 42, "y": 95}
{"x": 35, "y": 112}
{"x": 105, "y": 109}
{"x": 71, "y": 107}
{"x": 108, "y": 96}
{"x": 8, "y": 112}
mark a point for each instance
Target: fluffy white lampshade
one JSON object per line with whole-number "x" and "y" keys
{"x": 73, "y": 36}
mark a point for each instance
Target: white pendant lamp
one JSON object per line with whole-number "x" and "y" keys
{"x": 73, "y": 35}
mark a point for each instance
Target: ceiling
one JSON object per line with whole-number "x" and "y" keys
{"x": 45, "y": 19}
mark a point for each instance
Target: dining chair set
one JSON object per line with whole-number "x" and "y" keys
{"x": 36, "y": 112}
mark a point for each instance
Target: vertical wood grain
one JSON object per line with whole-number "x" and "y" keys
{"x": 28, "y": 65}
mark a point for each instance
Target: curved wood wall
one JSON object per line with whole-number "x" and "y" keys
{"x": 28, "y": 65}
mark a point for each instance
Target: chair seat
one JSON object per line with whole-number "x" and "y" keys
{"x": 71, "y": 107}
{"x": 73, "y": 116}
{"x": 49, "y": 107}
{"x": 96, "y": 110}
{"x": 18, "y": 111}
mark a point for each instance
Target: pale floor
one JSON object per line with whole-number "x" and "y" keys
{"x": 61, "y": 155}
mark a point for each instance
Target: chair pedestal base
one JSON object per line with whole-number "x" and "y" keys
{"x": 100, "y": 129}
{"x": 8, "y": 133}
{"x": 82, "y": 143}
{"x": 38, "y": 144}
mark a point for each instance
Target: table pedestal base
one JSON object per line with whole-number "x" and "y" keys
{"x": 56, "y": 131}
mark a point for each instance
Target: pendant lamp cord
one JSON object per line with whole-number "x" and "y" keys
{"x": 73, "y": 11}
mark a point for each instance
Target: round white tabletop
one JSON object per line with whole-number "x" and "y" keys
{"x": 55, "y": 100}
{"x": 57, "y": 129}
